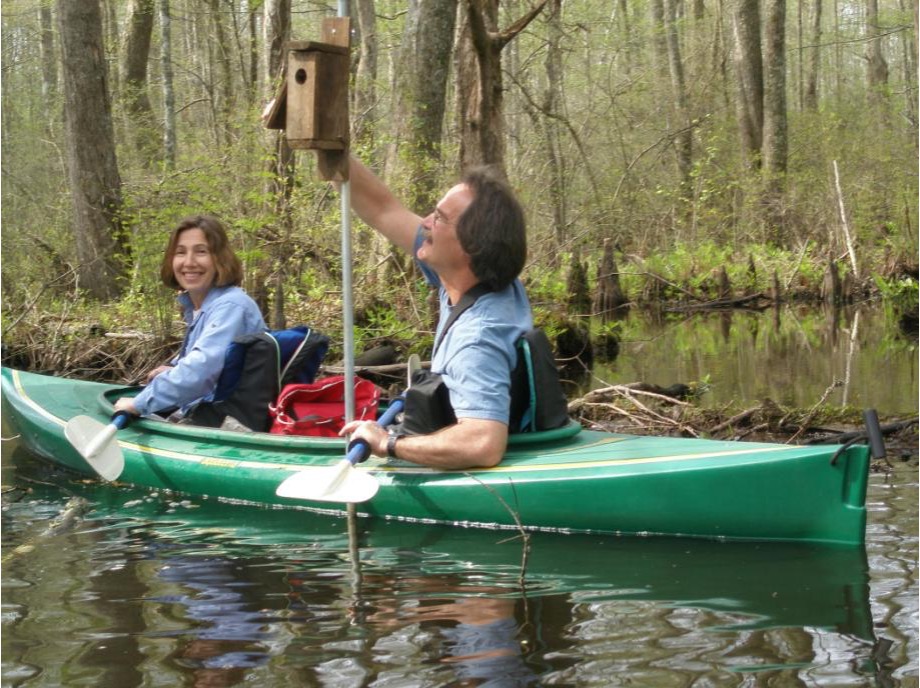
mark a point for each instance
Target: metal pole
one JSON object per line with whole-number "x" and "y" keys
{"x": 348, "y": 303}
{"x": 348, "y": 342}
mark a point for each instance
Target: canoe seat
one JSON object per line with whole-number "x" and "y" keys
{"x": 256, "y": 368}
{"x": 537, "y": 400}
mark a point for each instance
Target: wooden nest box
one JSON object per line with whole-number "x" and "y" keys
{"x": 312, "y": 102}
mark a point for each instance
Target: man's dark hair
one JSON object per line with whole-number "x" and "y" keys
{"x": 492, "y": 229}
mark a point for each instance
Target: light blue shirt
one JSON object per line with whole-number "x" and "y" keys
{"x": 478, "y": 354}
{"x": 227, "y": 313}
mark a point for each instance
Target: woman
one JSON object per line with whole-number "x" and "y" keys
{"x": 200, "y": 261}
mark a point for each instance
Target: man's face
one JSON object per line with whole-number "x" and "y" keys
{"x": 441, "y": 249}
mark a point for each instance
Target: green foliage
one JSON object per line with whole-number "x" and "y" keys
{"x": 546, "y": 286}
{"x": 385, "y": 323}
{"x": 149, "y": 311}
{"x": 899, "y": 295}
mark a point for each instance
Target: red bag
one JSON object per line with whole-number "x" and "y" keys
{"x": 318, "y": 409}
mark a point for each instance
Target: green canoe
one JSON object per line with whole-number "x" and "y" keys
{"x": 570, "y": 479}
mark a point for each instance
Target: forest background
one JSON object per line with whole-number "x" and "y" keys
{"x": 712, "y": 149}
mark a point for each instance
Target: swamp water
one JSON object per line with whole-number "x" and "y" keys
{"x": 118, "y": 587}
{"x": 792, "y": 355}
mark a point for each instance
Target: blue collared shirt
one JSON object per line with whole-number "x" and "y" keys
{"x": 227, "y": 313}
{"x": 478, "y": 354}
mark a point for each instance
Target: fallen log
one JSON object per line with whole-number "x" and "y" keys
{"x": 757, "y": 302}
{"x": 842, "y": 437}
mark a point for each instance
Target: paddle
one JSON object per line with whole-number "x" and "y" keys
{"x": 94, "y": 442}
{"x": 341, "y": 482}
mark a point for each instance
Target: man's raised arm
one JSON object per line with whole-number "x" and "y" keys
{"x": 379, "y": 208}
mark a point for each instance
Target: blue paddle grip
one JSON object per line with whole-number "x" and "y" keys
{"x": 121, "y": 419}
{"x": 358, "y": 449}
{"x": 392, "y": 410}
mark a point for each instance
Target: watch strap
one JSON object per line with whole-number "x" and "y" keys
{"x": 391, "y": 445}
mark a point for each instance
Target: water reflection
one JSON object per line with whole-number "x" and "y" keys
{"x": 225, "y": 633}
{"x": 469, "y": 635}
{"x": 209, "y": 594}
{"x": 793, "y": 355}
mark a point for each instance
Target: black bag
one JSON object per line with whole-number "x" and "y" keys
{"x": 427, "y": 406}
{"x": 537, "y": 399}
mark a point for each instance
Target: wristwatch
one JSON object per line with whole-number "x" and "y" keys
{"x": 391, "y": 446}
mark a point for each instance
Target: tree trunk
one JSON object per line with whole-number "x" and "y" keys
{"x": 775, "y": 143}
{"x": 223, "y": 94}
{"x": 49, "y": 59}
{"x": 800, "y": 41}
{"x": 579, "y": 299}
{"x": 683, "y": 131}
{"x": 480, "y": 90}
{"x": 719, "y": 59}
{"x": 878, "y": 68}
{"x": 775, "y": 138}
{"x": 276, "y": 20}
{"x": 749, "y": 78}
{"x": 365, "y": 91}
{"x": 136, "y": 53}
{"x": 474, "y": 97}
{"x": 909, "y": 43}
{"x": 551, "y": 110}
{"x": 627, "y": 36}
{"x": 814, "y": 62}
{"x": 169, "y": 98}
{"x": 420, "y": 101}
{"x": 254, "y": 50}
{"x": 277, "y": 28}
{"x": 659, "y": 44}
{"x": 277, "y": 32}
{"x": 111, "y": 31}
{"x": 610, "y": 295}
{"x": 840, "y": 69}
{"x": 92, "y": 165}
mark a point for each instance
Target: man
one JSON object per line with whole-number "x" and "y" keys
{"x": 475, "y": 235}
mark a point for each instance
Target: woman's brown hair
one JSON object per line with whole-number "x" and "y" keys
{"x": 228, "y": 266}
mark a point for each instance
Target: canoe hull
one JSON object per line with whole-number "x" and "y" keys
{"x": 570, "y": 480}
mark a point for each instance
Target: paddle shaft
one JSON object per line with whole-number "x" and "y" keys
{"x": 119, "y": 421}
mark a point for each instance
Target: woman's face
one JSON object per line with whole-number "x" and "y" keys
{"x": 193, "y": 264}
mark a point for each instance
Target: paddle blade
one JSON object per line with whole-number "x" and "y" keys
{"x": 338, "y": 483}
{"x": 94, "y": 441}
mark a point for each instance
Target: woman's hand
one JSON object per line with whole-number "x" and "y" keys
{"x": 126, "y": 404}
{"x": 156, "y": 371}
{"x": 370, "y": 432}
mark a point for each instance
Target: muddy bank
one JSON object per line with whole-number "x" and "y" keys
{"x": 634, "y": 409}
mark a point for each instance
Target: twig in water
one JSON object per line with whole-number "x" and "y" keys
{"x": 814, "y": 410}
{"x": 751, "y": 431}
{"x": 525, "y": 536}
{"x": 737, "y": 418}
